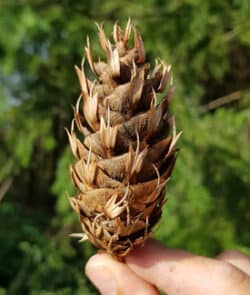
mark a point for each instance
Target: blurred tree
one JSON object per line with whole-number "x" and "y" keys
{"x": 208, "y": 45}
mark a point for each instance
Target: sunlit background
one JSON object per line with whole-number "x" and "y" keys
{"x": 208, "y": 209}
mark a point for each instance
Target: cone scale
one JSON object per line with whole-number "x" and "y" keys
{"x": 125, "y": 146}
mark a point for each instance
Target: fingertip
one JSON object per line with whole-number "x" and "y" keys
{"x": 96, "y": 261}
{"x": 99, "y": 271}
{"x": 111, "y": 277}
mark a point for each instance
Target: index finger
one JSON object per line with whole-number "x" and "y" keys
{"x": 179, "y": 272}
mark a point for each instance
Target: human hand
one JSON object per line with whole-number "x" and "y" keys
{"x": 173, "y": 271}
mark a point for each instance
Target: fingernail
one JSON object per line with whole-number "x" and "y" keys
{"x": 103, "y": 279}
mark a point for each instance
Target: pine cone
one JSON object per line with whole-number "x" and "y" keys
{"x": 128, "y": 149}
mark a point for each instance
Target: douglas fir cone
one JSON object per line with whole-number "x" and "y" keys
{"x": 125, "y": 147}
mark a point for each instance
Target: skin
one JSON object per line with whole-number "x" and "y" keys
{"x": 155, "y": 267}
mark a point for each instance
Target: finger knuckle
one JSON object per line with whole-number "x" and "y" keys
{"x": 228, "y": 254}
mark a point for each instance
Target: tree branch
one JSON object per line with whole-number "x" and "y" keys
{"x": 4, "y": 187}
{"x": 214, "y": 104}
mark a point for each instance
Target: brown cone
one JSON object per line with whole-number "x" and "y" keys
{"x": 128, "y": 149}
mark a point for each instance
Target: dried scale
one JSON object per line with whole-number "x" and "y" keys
{"x": 127, "y": 151}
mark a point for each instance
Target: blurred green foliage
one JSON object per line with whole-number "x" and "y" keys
{"x": 208, "y": 45}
